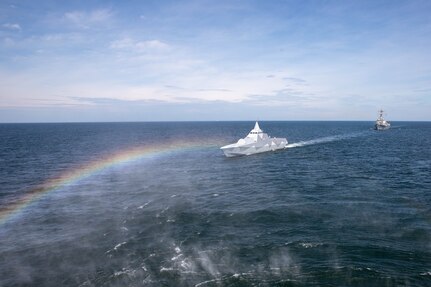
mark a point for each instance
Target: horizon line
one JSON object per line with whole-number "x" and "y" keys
{"x": 203, "y": 121}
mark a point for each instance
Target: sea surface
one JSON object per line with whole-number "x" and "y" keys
{"x": 158, "y": 204}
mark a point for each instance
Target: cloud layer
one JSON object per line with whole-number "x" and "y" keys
{"x": 331, "y": 60}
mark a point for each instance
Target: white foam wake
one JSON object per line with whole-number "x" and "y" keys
{"x": 326, "y": 139}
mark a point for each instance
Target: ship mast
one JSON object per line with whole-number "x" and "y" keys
{"x": 380, "y": 114}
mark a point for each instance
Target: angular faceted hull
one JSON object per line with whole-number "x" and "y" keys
{"x": 257, "y": 147}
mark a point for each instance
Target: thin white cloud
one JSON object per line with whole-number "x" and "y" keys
{"x": 8, "y": 42}
{"x": 85, "y": 19}
{"x": 139, "y": 46}
{"x": 34, "y": 43}
{"x": 12, "y": 26}
{"x": 152, "y": 44}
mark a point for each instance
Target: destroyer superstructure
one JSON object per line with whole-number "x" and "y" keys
{"x": 381, "y": 123}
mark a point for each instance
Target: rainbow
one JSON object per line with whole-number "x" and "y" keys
{"x": 104, "y": 162}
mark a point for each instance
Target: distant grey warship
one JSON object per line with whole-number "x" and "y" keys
{"x": 381, "y": 123}
{"x": 255, "y": 142}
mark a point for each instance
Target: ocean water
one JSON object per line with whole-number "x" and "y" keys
{"x": 158, "y": 204}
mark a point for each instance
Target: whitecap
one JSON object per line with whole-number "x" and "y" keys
{"x": 119, "y": 245}
{"x": 143, "y": 205}
{"x": 166, "y": 269}
{"x": 309, "y": 244}
{"x": 125, "y": 271}
{"x": 175, "y": 258}
{"x": 206, "y": 282}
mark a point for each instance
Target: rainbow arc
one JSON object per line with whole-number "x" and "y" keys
{"x": 88, "y": 169}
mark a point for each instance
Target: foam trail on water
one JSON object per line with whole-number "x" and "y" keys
{"x": 326, "y": 139}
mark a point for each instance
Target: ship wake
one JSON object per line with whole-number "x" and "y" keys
{"x": 327, "y": 139}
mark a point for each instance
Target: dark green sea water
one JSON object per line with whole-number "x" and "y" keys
{"x": 343, "y": 206}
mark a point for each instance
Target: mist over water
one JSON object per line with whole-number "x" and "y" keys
{"x": 343, "y": 205}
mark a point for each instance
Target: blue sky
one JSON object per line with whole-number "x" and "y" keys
{"x": 64, "y": 61}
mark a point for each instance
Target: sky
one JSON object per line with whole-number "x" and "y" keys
{"x": 198, "y": 60}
